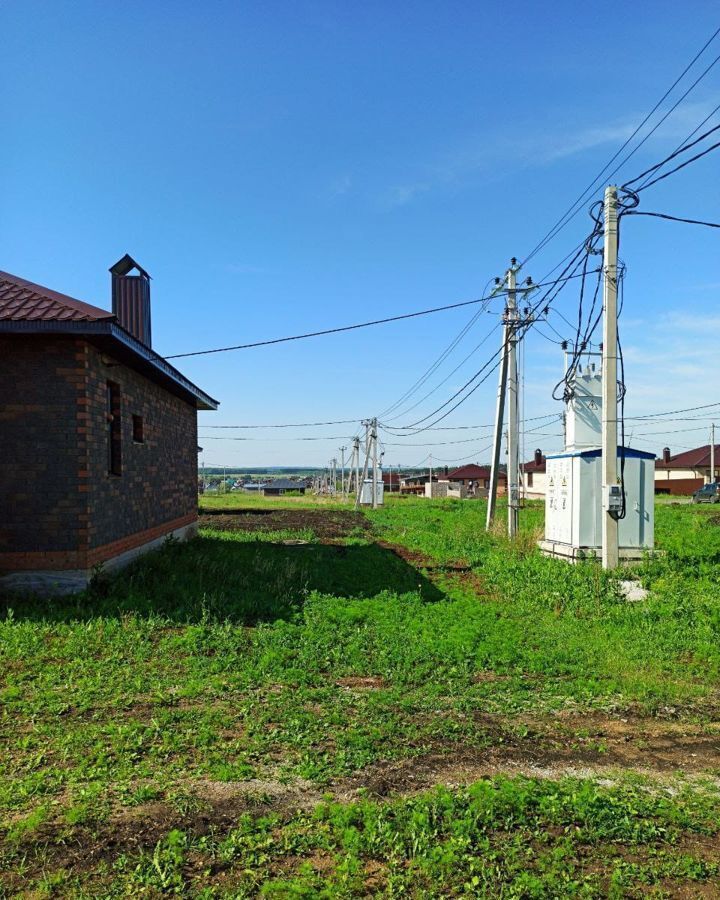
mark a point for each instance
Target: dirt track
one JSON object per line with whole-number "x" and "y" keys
{"x": 325, "y": 523}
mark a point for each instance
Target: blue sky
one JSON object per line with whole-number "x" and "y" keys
{"x": 285, "y": 167}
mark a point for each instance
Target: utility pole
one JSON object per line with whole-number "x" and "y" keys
{"x": 431, "y": 490}
{"x": 712, "y": 453}
{"x": 610, "y": 548}
{"x": 354, "y": 468}
{"x": 512, "y": 386}
{"x": 508, "y": 388}
{"x": 361, "y": 484}
{"x": 342, "y": 470}
{"x": 357, "y": 465}
{"x": 499, "y": 414}
{"x": 375, "y": 464}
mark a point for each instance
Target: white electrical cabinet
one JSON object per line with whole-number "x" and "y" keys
{"x": 574, "y": 503}
{"x": 367, "y": 492}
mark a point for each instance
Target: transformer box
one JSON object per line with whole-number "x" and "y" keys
{"x": 574, "y": 504}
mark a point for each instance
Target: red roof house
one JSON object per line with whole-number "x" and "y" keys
{"x": 477, "y": 478}
{"x": 684, "y": 473}
{"x": 99, "y": 449}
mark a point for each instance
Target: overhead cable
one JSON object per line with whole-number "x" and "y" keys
{"x": 576, "y": 206}
{"x": 309, "y": 334}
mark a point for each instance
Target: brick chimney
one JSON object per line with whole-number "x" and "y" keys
{"x": 666, "y": 455}
{"x": 538, "y": 457}
{"x": 131, "y": 298}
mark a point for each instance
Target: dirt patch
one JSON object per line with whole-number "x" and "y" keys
{"x": 337, "y": 523}
{"x": 454, "y": 573}
{"x": 361, "y": 683}
{"x": 580, "y": 747}
{"x": 566, "y": 745}
{"x": 212, "y": 805}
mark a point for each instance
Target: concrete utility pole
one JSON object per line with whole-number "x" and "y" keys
{"x": 610, "y": 549}
{"x": 356, "y": 449}
{"x": 712, "y": 453}
{"x": 375, "y": 464}
{"x": 513, "y": 464}
{"x": 361, "y": 483}
{"x": 497, "y": 437}
{"x": 431, "y": 492}
{"x": 342, "y": 470}
{"x": 508, "y": 386}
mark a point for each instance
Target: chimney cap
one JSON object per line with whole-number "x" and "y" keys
{"x": 127, "y": 264}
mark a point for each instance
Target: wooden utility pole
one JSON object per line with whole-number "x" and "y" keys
{"x": 610, "y": 548}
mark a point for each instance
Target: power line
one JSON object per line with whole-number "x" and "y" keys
{"x": 397, "y": 432}
{"x": 681, "y": 166}
{"x": 449, "y": 375}
{"x": 443, "y": 356}
{"x": 290, "y": 424}
{"x": 632, "y": 212}
{"x": 309, "y": 334}
{"x": 325, "y": 437}
{"x": 575, "y": 207}
{"x": 674, "y": 411}
{"x": 678, "y": 150}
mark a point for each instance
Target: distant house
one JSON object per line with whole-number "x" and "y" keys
{"x": 685, "y": 472}
{"x": 282, "y": 485}
{"x": 414, "y": 482}
{"x": 533, "y": 474}
{"x": 99, "y": 434}
{"x": 477, "y": 479}
{"x": 391, "y": 481}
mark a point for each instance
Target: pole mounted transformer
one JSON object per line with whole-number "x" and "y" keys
{"x": 594, "y": 506}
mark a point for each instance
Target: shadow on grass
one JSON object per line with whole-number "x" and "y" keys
{"x": 244, "y": 582}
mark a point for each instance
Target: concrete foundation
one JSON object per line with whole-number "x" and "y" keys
{"x": 569, "y": 553}
{"x": 57, "y": 583}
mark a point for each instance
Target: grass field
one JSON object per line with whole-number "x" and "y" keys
{"x": 303, "y": 702}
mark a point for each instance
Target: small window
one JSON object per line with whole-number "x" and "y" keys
{"x": 138, "y": 431}
{"x": 529, "y": 476}
{"x": 114, "y": 429}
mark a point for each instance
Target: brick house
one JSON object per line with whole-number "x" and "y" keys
{"x": 99, "y": 449}
{"x": 684, "y": 473}
{"x": 477, "y": 479}
{"x": 533, "y": 475}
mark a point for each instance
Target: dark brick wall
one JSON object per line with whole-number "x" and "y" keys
{"x": 57, "y": 497}
{"x": 41, "y": 381}
{"x": 158, "y": 480}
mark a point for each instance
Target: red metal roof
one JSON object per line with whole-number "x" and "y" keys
{"x": 22, "y": 300}
{"x": 470, "y": 471}
{"x": 699, "y": 457}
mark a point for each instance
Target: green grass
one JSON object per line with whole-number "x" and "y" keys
{"x": 229, "y": 658}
